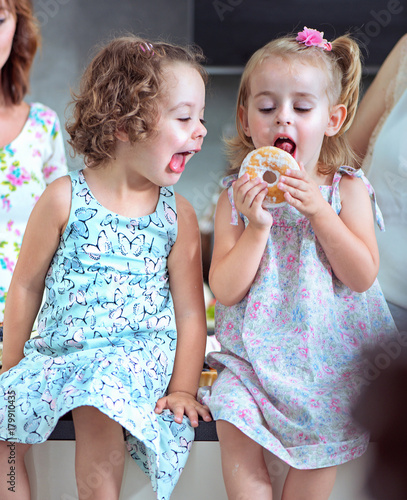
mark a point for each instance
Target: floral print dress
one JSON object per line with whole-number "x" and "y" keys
{"x": 31, "y": 161}
{"x": 106, "y": 336}
{"x": 290, "y": 367}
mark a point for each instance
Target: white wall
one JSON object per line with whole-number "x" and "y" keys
{"x": 51, "y": 471}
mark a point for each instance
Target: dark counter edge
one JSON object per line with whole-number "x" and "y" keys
{"x": 64, "y": 431}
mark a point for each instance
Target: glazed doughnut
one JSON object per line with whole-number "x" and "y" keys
{"x": 273, "y": 162}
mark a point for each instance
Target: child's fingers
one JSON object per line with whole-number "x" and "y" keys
{"x": 204, "y": 412}
{"x": 256, "y": 195}
{"x": 161, "y": 405}
{"x": 294, "y": 174}
{"x": 240, "y": 183}
{"x": 181, "y": 406}
{"x": 295, "y": 202}
{"x": 177, "y": 408}
{"x": 192, "y": 414}
{"x": 194, "y": 411}
{"x": 295, "y": 187}
{"x": 178, "y": 411}
{"x": 295, "y": 197}
{"x": 247, "y": 193}
{"x": 244, "y": 184}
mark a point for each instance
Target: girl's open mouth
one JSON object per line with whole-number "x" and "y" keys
{"x": 178, "y": 160}
{"x": 285, "y": 144}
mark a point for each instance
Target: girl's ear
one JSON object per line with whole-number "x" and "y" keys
{"x": 243, "y": 120}
{"x": 121, "y": 135}
{"x": 338, "y": 115}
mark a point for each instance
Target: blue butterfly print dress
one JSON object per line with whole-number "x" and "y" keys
{"x": 106, "y": 336}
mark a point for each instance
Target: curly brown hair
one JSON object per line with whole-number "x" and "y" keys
{"x": 15, "y": 75}
{"x": 343, "y": 68}
{"x": 120, "y": 91}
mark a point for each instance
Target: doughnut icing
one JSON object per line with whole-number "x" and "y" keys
{"x": 273, "y": 162}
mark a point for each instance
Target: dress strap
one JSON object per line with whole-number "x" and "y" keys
{"x": 226, "y": 183}
{"x": 82, "y": 198}
{"x": 336, "y": 199}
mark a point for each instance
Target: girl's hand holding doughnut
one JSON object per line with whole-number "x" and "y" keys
{"x": 302, "y": 192}
{"x": 249, "y": 195}
{"x": 268, "y": 164}
{"x": 270, "y": 177}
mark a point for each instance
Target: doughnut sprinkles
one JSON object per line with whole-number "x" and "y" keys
{"x": 269, "y": 163}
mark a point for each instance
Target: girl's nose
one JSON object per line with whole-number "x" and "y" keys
{"x": 200, "y": 130}
{"x": 283, "y": 121}
{"x": 283, "y": 117}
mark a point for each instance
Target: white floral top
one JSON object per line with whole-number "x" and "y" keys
{"x": 386, "y": 167}
{"x": 31, "y": 161}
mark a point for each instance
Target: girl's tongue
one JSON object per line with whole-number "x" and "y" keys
{"x": 286, "y": 145}
{"x": 177, "y": 163}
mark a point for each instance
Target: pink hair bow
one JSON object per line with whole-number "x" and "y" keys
{"x": 315, "y": 38}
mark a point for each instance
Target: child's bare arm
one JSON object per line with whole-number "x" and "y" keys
{"x": 373, "y": 104}
{"x": 355, "y": 255}
{"x": 349, "y": 240}
{"x": 41, "y": 239}
{"x": 238, "y": 250}
{"x": 186, "y": 285}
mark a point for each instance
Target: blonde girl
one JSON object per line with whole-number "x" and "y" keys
{"x": 296, "y": 288}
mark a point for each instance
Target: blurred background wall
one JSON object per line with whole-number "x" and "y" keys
{"x": 224, "y": 28}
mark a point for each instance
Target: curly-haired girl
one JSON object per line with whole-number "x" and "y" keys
{"x": 122, "y": 331}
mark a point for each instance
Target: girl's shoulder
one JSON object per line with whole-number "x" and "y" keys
{"x": 351, "y": 184}
{"x": 60, "y": 190}
{"x": 43, "y": 120}
{"x": 345, "y": 174}
{"x": 55, "y": 201}
{"x": 185, "y": 211}
{"x": 42, "y": 113}
{"x": 182, "y": 202}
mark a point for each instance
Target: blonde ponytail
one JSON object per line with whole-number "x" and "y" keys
{"x": 347, "y": 54}
{"x": 346, "y": 69}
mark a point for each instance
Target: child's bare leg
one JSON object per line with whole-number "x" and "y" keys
{"x": 100, "y": 453}
{"x": 14, "y": 483}
{"x": 243, "y": 466}
{"x": 313, "y": 484}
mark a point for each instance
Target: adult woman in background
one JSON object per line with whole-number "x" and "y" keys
{"x": 379, "y": 136}
{"x": 31, "y": 146}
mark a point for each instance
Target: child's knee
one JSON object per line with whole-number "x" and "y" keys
{"x": 90, "y": 423}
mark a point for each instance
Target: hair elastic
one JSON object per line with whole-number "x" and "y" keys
{"x": 313, "y": 38}
{"x": 147, "y": 46}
